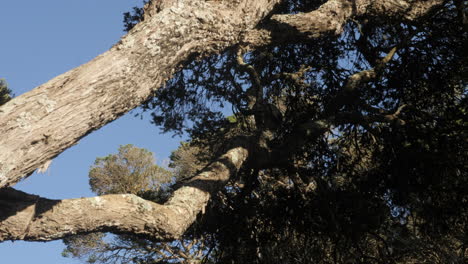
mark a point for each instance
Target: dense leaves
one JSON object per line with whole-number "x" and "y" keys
{"x": 342, "y": 171}
{"x": 5, "y": 93}
{"x": 133, "y": 17}
{"x": 132, "y": 170}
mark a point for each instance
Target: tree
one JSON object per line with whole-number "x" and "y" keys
{"x": 328, "y": 126}
{"x": 352, "y": 192}
{"x": 5, "y": 93}
{"x": 132, "y": 170}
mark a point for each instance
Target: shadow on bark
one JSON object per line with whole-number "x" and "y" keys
{"x": 13, "y": 201}
{"x": 18, "y": 209}
{"x": 218, "y": 178}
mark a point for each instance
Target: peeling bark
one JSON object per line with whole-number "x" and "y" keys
{"x": 30, "y": 217}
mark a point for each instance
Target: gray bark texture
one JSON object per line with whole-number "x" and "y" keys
{"x": 40, "y": 124}
{"x": 30, "y": 217}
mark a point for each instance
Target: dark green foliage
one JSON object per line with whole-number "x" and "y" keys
{"x": 372, "y": 174}
{"x": 5, "y": 93}
{"x": 390, "y": 175}
{"x": 133, "y": 17}
{"x": 132, "y": 170}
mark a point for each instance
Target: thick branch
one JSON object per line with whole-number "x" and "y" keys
{"x": 331, "y": 17}
{"x": 356, "y": 80}
{"x": 281, "y": 154}
{"x": 368, "y": 75}
{"x": 40, "y": 124}
{"x": 366, "y": 120}
{"x": 29, "y": 217}
{"x": 255, "y": 92}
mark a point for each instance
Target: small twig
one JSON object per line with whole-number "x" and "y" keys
{"x": 399, "y": 109}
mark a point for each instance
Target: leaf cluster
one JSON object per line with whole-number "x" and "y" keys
{"x": 5, "y": 93}
{"x": 340, "y": 172}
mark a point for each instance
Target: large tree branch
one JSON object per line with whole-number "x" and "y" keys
{"x": 29, "y": 217}
{"x": 331, "y": 17}
{"x": 40, "y": 124}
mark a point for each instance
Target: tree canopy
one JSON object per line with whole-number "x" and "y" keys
{"x": 5, "y": 93}
{"x": 329, "y": 132}
{"x": 359, "y": 142}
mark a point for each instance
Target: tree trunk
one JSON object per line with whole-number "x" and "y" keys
{"x": 40, "y": 124}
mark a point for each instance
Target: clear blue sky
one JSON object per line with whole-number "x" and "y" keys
{"x": 40, "y": 40}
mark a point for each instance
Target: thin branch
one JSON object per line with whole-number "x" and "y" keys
{"x": 255, "y": 93}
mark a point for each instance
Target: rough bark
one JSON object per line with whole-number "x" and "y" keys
{"x": 30, "y": 217}
{"x": 331, "y": 18}
{"x": 40, "y": 124}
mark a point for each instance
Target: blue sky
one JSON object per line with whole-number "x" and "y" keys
{"x": 40, "y": 40}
